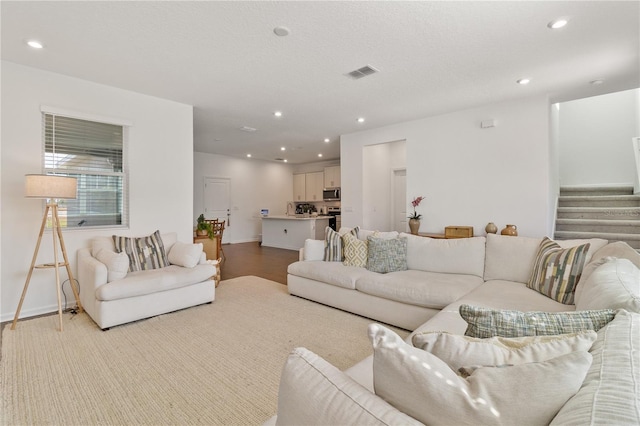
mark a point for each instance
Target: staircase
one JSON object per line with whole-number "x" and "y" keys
{"x": 611, "y": 213}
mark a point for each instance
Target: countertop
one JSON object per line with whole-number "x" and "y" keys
{"x": 294, "y": 218}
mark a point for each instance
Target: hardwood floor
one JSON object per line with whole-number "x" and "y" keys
{"x": 253, "y": 259}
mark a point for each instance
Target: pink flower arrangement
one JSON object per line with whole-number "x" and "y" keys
{"x": 415, "y": 203}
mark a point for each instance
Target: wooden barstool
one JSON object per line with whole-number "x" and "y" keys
{"x": 218, "y": 230}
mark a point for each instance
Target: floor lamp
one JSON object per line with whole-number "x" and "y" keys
{"x": 52, "y": 188}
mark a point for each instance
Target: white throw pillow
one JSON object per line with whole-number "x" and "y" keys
{"x": 117, "y": 263}
{"x": 463, "y": 351}
{"x": 313, "y": 249}
{"x": 421, "y": 385}
{"x": 614, "y": 285}
{"x": 184, "y": 254}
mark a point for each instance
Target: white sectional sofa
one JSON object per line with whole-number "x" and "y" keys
{"x": 489, "y": 272}
{"x": 112, "y": 296}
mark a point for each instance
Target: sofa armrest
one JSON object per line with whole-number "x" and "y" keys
{"x": 91, "y": 273}
{"x": 314, "y": 392}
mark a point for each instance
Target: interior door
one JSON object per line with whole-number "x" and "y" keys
{"x": 399, "y": 188}
{"x": 216, "y": 199}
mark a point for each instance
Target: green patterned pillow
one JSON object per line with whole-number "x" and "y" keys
{"x": 144, "y": 252}
{"x": 485, "y": 322}
{"x": 556, "y": 271}
{"x": 333, "y": 251}
{"x": 355, "y": 251}
{"x": 387, "y": 255}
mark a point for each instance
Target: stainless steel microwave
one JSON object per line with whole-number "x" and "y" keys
{"x": 331, "y": 194}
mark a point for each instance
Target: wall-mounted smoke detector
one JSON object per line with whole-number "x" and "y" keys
{"x": 247, "y": 129}
{"x": 362, "y": 72}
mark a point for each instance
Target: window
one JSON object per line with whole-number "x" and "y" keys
{"x": 93, "y": 152}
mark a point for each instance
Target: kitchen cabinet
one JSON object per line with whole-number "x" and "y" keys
{"x": 314, "y": 184}
{"x": 299, "y": 187}
{"x": 332, "y": 177}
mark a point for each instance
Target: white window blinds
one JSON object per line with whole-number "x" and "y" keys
{"x": 94, "y": 153}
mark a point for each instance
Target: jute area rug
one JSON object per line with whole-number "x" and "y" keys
{"x": 213, "y": 364}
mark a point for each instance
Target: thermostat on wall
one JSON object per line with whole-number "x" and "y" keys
{"x": 264, "y": 212}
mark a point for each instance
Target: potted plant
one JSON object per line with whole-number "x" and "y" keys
{"x": 204, "y": 228}
{"x": 414, "y": 219}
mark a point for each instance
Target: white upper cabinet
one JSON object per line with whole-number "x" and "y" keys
{"x": 314, "y": 186}
{"x": 332, "y": 177}
{"x": 299, "y": 187}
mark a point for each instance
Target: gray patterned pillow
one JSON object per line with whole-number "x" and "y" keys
{"x": 387, "y": 255}
{"x": 144, "y": 252}
{"x": 485, "y": 322}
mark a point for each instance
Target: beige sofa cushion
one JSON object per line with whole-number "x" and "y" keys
{"x": 140, "y": 283}
{"x": 610, "y": 392}
{"x": 512, "y": 296}
{"x": 614, "y": 285}
{"x": 510, "y": 258}
{"x": 334, "y": 273}
{"x": 313, "y": 392}
{"x": 617, "y": 249}
{"x": 453, "y": 256}
{"x": 427, "y": 289}
{"x": 424, "y": 387}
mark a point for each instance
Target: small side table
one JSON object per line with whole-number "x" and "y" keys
{"x": 209, "y": 246}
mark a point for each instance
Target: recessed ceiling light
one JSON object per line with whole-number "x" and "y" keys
{"x": 558, "y": 23}
{"x": 282, "y": 148}
{"x": 319, "y": 155}
{"x": 35, "y": 44}
{"x": 248, "y": 155}
{"x": 596, "y": 82}
{"x": 285, "y": 160}
{"x": 278, "y": 113}
{"x": 523, "y": 81}
{"x": 281, "y": 31}
{"x": 327, "y": 140}
{"x": 361, "y": 120}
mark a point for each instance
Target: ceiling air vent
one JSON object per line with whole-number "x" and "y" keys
{"x": 362, "y": 72}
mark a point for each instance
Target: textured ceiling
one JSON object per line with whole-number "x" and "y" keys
{"x": 224, "y": 59}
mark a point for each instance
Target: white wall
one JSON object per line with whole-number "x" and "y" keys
{"x": 595, "y": 139}
{"x": 160, "y": 162}
{"x": 469, "y": 176}
{"x": 255, "y": 185}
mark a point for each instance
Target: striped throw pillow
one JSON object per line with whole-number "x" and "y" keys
{"x": 556, "y": 271}
{"x": 144, "y": 252}
{"x": 485, "y": 322}
{"x": 333, "y": 244}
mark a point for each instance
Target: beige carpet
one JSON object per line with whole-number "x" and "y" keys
{"x": 212, "y": 364}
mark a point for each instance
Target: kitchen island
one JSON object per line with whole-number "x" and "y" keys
{"x": 289, "y": 232}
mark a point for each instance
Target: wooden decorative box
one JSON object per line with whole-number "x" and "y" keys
{"x": 458, "y": 232}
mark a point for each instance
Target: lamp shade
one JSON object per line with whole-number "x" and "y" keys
{"x": 50, "y": 186}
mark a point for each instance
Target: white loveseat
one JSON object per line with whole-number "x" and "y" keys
{"x": 112, "y": 297}
{"x": 444, "y": 274}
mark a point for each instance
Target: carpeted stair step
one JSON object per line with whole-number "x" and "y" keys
{"x": 597, "y": 225}
{"x": 602, "y": 213}
{"x": 599, "y": 201}
{"x": 596, "y": 190}
{"x": 632, "y": 239}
